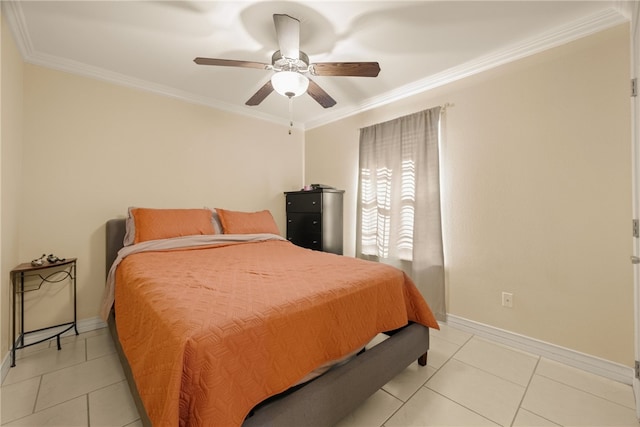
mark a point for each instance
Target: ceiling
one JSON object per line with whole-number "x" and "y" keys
{"x": 418, "y": 44}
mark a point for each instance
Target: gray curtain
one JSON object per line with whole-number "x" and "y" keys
{"x": 398, "y": 212}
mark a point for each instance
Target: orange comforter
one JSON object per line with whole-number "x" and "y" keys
{"x": 210, "y": 333}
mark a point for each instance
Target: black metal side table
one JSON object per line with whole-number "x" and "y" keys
{"x": 63, "y": 270}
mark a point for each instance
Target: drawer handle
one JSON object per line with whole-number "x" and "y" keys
{"x": 288, "y": 203}
{"x": 290, "y": 221}
{"x": 315, "y": 242}
{"x": 313, "y": 203}
{"x": 315, "y": 222}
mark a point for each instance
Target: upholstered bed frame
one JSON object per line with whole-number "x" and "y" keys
{"x": 323, "y": 401}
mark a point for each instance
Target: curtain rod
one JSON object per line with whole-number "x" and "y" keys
{"x": 443, "y": 109}
{"x": 446, "y": 105}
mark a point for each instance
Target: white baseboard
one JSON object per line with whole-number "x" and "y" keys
{"x": 586, "y": 362}
{"x": 84, "y": 325}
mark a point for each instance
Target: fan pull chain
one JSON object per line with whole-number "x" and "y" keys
{"x": 290, "y": 114}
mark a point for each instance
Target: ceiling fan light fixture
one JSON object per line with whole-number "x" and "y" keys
{"x": 289, "y": 83}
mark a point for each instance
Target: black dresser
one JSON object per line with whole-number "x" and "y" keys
{"x": 314, "y": 219}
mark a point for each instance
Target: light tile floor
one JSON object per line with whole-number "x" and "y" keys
{"x": 468, "y": 381}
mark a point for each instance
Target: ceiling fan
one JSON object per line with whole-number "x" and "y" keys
{"x": 291, "y": 67}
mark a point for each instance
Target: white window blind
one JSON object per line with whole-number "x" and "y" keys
{"x": 376, "y": 196}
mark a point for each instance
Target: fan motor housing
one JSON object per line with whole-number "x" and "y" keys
{"x": 280, "y": 63}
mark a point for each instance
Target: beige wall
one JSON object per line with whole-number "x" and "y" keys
{"x": 11, "y": 103}
{"x": 536, "y": 189}
{"x": 535, "y": 173}
{"x": 91, "y": 149}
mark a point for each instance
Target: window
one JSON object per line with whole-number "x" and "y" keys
{"x": 398, "y": 211}
{"x": 398, "y": 159}
{"x": 376, "y": 196}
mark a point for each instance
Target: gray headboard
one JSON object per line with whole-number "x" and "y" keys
{"x": 115, "y": 236}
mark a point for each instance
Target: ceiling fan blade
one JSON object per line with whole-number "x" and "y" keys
{"x": 353, "y": 69}
{"x": 261, "y": 94}
{"x": 322, "y": 97}
{"x": 231, "y": 63}
{"x": 288, "y": 32}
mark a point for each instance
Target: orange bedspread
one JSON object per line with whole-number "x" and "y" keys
{"x": 210, "y": 333}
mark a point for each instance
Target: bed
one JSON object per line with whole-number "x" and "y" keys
{"x": 255, "y": 392}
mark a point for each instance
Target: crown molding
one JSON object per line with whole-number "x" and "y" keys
{"x": 575, "y": 30}
{"x": 12, "y": 11}
{"x": 16, "y": 20}
{"x": 626, "y": 7}
{"x": 78, "y": 68}
{"x": 607, "y": 18}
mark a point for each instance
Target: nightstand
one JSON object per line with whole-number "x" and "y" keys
{"x": 47, "y": 274}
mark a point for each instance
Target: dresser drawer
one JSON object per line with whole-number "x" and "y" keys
{"x": 304, "y": 202}
{"x": 307, "y": 240}
{"x": 299, "y": 223}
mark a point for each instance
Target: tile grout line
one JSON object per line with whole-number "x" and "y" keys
{"x": 70, "y": 399}
{"x": 452, "y": 342}
{"x": 453, "y": 356}
{"x": 47, "y": 408}
{"x": 88, "y": 409}
{"x": 402, "y": 403}
{"x": 424, "y": 385}
{"x": 86, "y": 359}
{"x": 44, "y": 373}
{"x": 408, "y": 399}
{"x": 585, "y": 391}
{"x": 491, "y": 373}
{"x": 538, "y": 415}
{"x": 123, "y": 379}
{"x": 540, "y": 357}
{"x": 35, "y": 402}
{"x": 40, "y": 378}
{"x": 462, "y": 406}
{"x": 482, "y": 370}
{"x": 526, "y": 389}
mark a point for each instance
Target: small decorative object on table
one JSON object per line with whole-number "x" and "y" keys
{"x": 51, "y": 258}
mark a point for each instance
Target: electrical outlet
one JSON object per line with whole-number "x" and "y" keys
{"x": 507, "y": 299}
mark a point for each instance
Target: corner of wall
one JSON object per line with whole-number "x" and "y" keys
{"x": 11, "y": 120}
